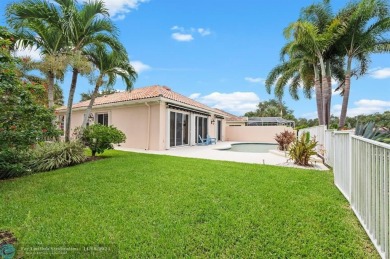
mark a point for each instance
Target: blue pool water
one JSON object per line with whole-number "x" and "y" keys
{"x": 252, "y": 147}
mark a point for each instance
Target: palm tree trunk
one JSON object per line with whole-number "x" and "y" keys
{"x": 347, "y": 87}
{"x": 329, "y": 81}
{"x": 50, "y": 90}
{"x": 70, "y": 104}
{"x": 93, "y": 97}
{"x": 317, "y": 87}
{"x": 325, "y": 92}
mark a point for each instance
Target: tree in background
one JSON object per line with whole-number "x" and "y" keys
{"x": 25, "y": 68}
{"x": 104, "y": 91}
{"x": 272, "y": 108}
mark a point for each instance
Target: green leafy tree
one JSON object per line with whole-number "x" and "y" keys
{"x": 99, "y": 137}
{"x": 24, "y": 121}
{"x": 272, "y": 108}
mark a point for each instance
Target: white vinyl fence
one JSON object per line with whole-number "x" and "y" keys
{"x": 361, "y": 170}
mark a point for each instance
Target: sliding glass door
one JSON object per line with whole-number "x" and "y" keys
{"x": 200, "y": 128}
{"x": 179, "y": 129}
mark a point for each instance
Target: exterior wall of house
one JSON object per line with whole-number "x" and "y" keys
{"x": 144, "y": 128}
{"x": 264, "y": 134}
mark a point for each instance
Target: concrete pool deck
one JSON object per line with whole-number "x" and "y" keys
{"x": 213, "y": 152}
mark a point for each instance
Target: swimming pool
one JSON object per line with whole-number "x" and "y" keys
{"x": 252, "y": 147}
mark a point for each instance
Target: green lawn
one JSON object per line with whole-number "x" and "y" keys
{"x": 161, "y": 206}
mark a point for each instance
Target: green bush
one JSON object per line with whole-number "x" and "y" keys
{"x": 284, "y": 139}
{"x": 50, "y": 156}
{"x": 301, "y": 149}
{"x": 99, "y": 137}
{"x": 14, "y": 162}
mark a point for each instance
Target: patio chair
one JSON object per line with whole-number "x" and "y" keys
{"x": 202, "y": 141}
{"x": 211, "y": 140}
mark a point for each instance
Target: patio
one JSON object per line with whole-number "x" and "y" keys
{"x": 214, "y": 152}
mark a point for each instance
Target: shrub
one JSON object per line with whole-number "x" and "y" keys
{"x": 302, "y": 148}
{"x": 284, "y": 139}
{"x": 50, "y": 156}
{"x": 99, "y": 137}
{"x": 14, "y": 162}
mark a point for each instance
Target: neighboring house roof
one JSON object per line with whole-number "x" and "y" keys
{"x": 233, "y": 118}
{"x": 142, "y": 93}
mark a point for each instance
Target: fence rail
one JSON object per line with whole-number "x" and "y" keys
{"x": 362, "y": 173}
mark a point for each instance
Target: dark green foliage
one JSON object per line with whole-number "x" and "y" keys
{"x": 284, "y": 139}
{"x": 370, "y": 131}
{"x": 50, "y": 156}
{"x": 302, "y": 149}
{"x": 14, "y": 162}
{"x": 24, "y": 121}
{"x": 99, "y": 137}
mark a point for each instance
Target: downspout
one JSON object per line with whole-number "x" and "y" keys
{"x": 148, "y": 127}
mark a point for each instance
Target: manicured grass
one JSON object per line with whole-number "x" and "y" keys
{"x": 161, "y": 206}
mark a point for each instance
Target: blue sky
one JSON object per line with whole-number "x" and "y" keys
{"x": 219, "y": 52}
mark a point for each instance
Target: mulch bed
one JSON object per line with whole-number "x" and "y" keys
{"x": 6, "y": 237}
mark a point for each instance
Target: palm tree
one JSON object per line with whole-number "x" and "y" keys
{"x": 24, "y": 69}
{"x": 110, "y": 65}
{"x": 367, "y": 28}
{"x": 36, "y": 32}
{"x": 311, "y": 57}
{"x": 81, "y": 26}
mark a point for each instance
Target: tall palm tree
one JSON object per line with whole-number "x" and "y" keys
{"x": 367, "y": 27}
{"x": 311, "y": 57}
{"x": 80, "y": 25}
{"x": 35, "y": 31}
{"x": 110, "y": 65}
{"x": 87, "y": 26}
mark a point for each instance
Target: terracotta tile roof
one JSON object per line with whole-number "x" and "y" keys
{"x": 231, "y": 117}
{"x": 142, "y": 93}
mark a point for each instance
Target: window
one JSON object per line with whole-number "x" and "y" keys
{"x": 102, "y": 118}
{"x": 61, "y": 122}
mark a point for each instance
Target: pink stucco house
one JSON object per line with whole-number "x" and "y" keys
{"x": 153, "y": 117}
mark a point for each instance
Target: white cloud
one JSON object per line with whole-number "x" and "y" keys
{"x": 32, "y": 52}
{"x": 237, "y": 102}
{"x": 182, "y": 37}
{"x": 183, "y": 34}
{"x": 139, "y": 67}
{"x": 363, "y": 106}
{"x": 194, "y": 95}
{"x": 381, "y": 73}
{"x": 255, "y": 79}
{"x": 119, "y": 8}
{"x": 204, "y": 32}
